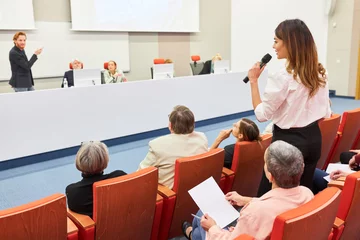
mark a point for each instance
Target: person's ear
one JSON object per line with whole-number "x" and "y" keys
{"x": 169, "y": 126}
{"x": 240, "y": 136}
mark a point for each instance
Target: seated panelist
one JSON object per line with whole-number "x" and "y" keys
{"x": 113, "y": 75}
{"x": 69, "y": 75}
{"x": 209, "y": 65}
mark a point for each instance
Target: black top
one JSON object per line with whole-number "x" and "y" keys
{"x": 229, "y": 154}
{"x": 207, "y": 68}
{"x": 69, "y": 75}
{"x": 21, "y": 75}
{"x": 80, "y": 195}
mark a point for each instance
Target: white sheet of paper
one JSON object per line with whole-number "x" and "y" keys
{"x": 211, "y": 200}
{"x": 327, "y": 178}
{"x": 336, "y": 166}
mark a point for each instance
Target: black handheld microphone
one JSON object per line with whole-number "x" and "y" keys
{"x": 263, "y": 61}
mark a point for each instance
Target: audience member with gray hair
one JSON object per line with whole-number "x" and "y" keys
{"x": 91, "y": 160}
{"x": 284, "y": 165}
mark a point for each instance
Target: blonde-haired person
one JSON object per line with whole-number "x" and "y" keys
{"x": 91, "y": 160}
{"x": 296, "y": 97}
{"x": 242, "y": 130}
{"x": 113, "y": 74}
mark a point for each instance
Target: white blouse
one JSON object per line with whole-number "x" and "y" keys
{"x": 286, "y": 102}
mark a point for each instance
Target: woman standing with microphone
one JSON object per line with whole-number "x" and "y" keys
{"x": 295, "y": 98}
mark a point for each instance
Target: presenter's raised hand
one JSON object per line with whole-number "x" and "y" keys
{"x": 255, "y": 72}
{"x": 38, "y": 51}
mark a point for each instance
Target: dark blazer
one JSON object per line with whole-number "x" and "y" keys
{"x": 80, "y": 195}
{"x": 69, "y": 75}
{"x": 207, "y": 68}
{"x": 21, "y": 75}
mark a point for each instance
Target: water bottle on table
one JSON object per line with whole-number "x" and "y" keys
{"x": 65, "y": 83}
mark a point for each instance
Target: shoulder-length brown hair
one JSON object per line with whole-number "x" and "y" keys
{"x": 302, "y": 60}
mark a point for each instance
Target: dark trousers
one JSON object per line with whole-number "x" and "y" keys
{"x": 308, "y": 140}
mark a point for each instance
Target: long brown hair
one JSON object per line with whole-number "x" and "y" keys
{"x": 302, "y": 60}
{"x": 249, "y": 130}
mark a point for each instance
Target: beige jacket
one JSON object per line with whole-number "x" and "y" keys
{"x": 164, "y": 151}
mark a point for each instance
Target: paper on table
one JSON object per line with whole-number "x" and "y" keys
{"x": 337, "y": 166}
{"x": 211, "y": 200}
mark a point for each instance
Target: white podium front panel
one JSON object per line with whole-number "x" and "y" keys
{"x": 48, "y": 120}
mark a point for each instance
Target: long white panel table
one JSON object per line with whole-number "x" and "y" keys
{"x": 42, "y": 121}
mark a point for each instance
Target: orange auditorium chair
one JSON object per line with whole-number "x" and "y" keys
{"x": 347, "y": 225}
{"x": 348, "y": 134}
{"x": 329, "y": 128}
{"x": 126, "y": 207}
{"x": 106, "y": 65}
{"x": 196, "y": 65}
{"x": 313, "y": 220}
{"x": 42, "y": 219}
{"x": 178, "y": 204}
{"x": 247, "y": 167}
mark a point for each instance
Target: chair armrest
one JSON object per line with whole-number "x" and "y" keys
{"x": 81, "y": 220}
{"x": 227, "y": 172}
{"x": 338, "y": 223}
{"x": 165, "y": 191}
{"x": 342, "y": 179}
{"x": 159, "y": 198}
{"x": 71, "y": 227}
{"x": 338, "y": 184}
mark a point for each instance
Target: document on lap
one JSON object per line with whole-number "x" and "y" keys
{"x": 337, "y": 166}
{"x": 211, "y": 200}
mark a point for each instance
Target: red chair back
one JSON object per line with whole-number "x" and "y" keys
{"x": 42, "y": 219}
{"x": 106, "y": 65}
{"x": 159, "y": 61}
{"x": 195, "y": 58}
{"x": 348, "y": 133}
{"x": 124, "y": 207}
{"x": 189, "y": 172}
{"x": 248, "y": 165}
{"x": 328, "y": 128}
{"x": 304, "y": 221}
{"x": 349, "y": 209}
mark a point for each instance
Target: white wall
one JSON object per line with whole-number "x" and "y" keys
{"x": 253, "y": 24}
{"x": 42, "y": 121}
{"x": 343, "y": 43}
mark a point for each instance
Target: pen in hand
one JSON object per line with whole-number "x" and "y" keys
{"x": 196, "y": 216}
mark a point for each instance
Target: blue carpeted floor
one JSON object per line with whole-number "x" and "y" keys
{"x": 25, "y": 184}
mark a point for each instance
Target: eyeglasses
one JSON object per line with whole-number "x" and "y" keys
{"x": 82, "y": 143}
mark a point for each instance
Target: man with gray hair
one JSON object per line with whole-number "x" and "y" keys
{"x": 69, "y": 75}
{"x": 284, "y": 165}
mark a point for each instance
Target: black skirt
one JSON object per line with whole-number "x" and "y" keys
{"x": 308, "y": 140}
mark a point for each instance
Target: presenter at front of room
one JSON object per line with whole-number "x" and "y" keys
{"x": 295, "y": 98}
{"x": 21, "y": 75}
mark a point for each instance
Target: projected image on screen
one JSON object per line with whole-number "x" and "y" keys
{"x": 114, "y": 12}
{"x": 16, "y": 14}
{"x": 136, "y": 15}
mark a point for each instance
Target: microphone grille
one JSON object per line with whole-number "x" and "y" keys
{"x": 266, "y": 58}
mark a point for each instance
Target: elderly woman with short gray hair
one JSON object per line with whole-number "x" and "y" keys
{"x": 284, "y": 165}
{"x": 91, "y": 160}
